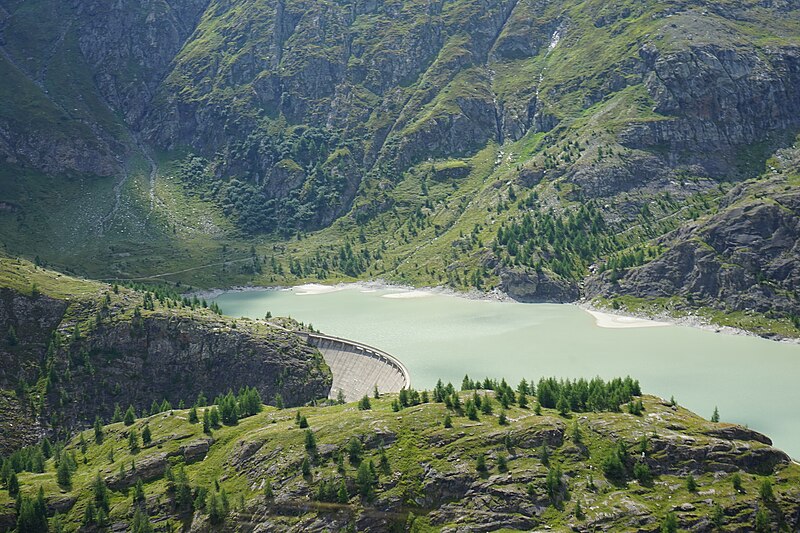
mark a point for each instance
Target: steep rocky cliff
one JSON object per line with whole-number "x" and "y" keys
{"x": 76, "y": 355}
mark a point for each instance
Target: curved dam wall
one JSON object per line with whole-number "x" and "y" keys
{"x": 357, "y": 368}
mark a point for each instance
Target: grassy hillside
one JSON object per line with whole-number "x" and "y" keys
{"x": 581, "y": 471}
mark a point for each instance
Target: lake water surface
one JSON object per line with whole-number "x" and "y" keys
{"x": 753, "y": 381}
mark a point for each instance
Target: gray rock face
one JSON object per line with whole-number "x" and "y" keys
{"x": 134, "y": 362}
{"x": 741, "y": 258}
{"x": 147, "y": 469}
{"x": 49, "y": 152}
{"x": 180, "y": 358}
{"x": 196, "y": 450}
{"x": 130, "y": 50}
{"x": 721, "y": 98}
{"x": 531, "y": 286}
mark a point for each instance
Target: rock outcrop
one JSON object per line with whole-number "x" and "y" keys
{"x": 77, "y": 357}
{"x": 743, "y": 258}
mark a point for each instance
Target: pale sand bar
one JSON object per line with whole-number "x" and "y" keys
{"x": 315, "y": 288}
{"x": 608, "y": 320}
{"x": 408, "y": 294}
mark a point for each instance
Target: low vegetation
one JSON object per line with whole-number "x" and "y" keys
{"x": 571, "y": 454}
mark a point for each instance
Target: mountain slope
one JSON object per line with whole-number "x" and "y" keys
{"x": 505, "y": 144}
{"x": 425, "y": 477}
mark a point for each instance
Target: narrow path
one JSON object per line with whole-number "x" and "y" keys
{"x": 165, "y": 274}
{"x": 655, "y": 221}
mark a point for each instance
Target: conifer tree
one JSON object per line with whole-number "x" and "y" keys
{"x": 364, "y": 404}
{"x": 141, "y": 522}
{"x": 89, "y": 513}
{"x": 365, "y": 480}
{"x": 47, "y": 448}
{"x": 214, "y": 417}
{"x": 718, "y": 516}
{"x": 470, "y": 410}
{"x": 562, "y": 405}
{"x": 133, "y": 440}
{"x": 354, "y": 450}
{"x": 311, "y": 442}
{"x": 138, "y": 492}
{"x": 577, "y": 436}
{"x": 64, "y": 474}
{"x": 117, "y": 417}
{"x": 502, "y": 463}
{"x": 384, "y": 463}
{"x": 579, "y": 511}
{"x": 101, "y": 496}
{"x": 13, "y": 484}
{"x": 98, "y": 430}
{"x": 480, "y": 463}
{"x": 215, "y": 513}
{"x": 522, "y": 400}
{"x": 31, "y": 518}
{"x": 736, "y": 480}
{"x": 130, "y": 416}
{"x": 765, "y": 490}
{"x": 670, "y": 523}
{"x": 341, "y": 495}
{"x": 544, "y": 454}
{"x": 485, "y": 405}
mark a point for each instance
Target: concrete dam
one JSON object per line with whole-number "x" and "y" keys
{"x": 357, "y": 368}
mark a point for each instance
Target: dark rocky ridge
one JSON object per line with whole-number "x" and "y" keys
{"x": 742, "y": 258}
{"x": 172, "y": 354}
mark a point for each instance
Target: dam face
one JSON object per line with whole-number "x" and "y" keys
{"x": 358, "y": 368}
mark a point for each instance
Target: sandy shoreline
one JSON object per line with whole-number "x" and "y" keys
{"x": 612, "y": 321}
{"x": 691, "y": 321}
{"x": 397, "y": 291}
